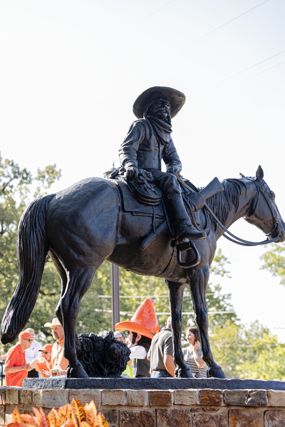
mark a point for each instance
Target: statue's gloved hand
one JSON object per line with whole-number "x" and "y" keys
{"x": 131, "y": 172}
{"x": 175, "y": 170}
{"x": 145, "y": 175}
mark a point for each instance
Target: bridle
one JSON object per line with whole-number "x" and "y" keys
{"x": 239, "y": 241}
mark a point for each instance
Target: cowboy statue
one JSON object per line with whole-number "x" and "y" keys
{"x": 147, "y": 143}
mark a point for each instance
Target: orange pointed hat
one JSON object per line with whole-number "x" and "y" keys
{"x": 143, "y": 322}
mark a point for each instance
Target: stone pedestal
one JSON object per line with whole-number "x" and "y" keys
{"x": 163, "y": 403}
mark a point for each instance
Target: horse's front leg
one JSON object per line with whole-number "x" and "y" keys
{"x": 79, "y": 281}
{"x": 198, "y": 284}
{"x": 176, "y": 298}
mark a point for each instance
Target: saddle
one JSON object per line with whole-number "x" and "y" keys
{"x": 137, "y": 201}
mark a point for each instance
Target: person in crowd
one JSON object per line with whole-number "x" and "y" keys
{"x": 142, "y": 327}
{"x": 16, "y": 366}
{"x": 119, "y": 336}
{"x": 32, "y": 353}
{"x": 161, "y": 353}
{"x": 59, "y": 363}
{"x": 193, "y": 353}
{"x": 42, "y": 364}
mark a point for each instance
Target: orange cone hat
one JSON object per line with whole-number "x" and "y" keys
{"x": 143, "y": 322}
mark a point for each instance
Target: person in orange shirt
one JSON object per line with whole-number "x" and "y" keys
{"x": 42, "y": 364}
{"x": 59, "y": 363}
{"x": 16, "y": 367}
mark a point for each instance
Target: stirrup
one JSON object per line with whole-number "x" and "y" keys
{"x": 183, "y": 244}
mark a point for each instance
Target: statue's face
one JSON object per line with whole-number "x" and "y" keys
{"x": 160, "y": 108}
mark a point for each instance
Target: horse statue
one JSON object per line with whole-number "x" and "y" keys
{"x": 92, "y": 221}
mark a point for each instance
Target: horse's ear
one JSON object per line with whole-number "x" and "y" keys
{"x": 259, "y": 173}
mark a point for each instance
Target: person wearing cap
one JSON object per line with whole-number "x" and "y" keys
{"x": 59, "y": 363}
{"x": 147, "y": 143}
{"x": 16, "y": 366}
{"x": 142, "y": 327}
{"x": 42, "y": 364}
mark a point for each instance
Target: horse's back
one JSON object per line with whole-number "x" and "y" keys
{"x": 83, "y": 218}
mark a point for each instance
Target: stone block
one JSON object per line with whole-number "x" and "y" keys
{"x": 12, "y": 396}
{"x": 209, "y": 397}
{"x": 186, "y": 397}
{"x": 86, "y": 396}
{"x": 137, "y": 397}
{"x": 210, "y": 419}
{"x": 160, "y": 397}
{"x": 143, "y": 418}
{"x": 8, "y": 415}
{"x": 26, "y": 397}
{"x": 274, "y": 418}
{"x": 246, "y": 417}
{"x": 174, "y": 418}
{"x": 235, "y": 397}
{"x": 114, "y": 397}
{"x": 2, "y": 416}
{"x": 257, "y": 398}
{"x": 276, "y": 398}
{"x": 112, "y": 416}
{"x": 51, "y": 398}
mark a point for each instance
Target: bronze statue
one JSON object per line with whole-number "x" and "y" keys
{"x": 149, "y": 142}
{"x": 96, "y": 220}
{"x": 100, "y": 219}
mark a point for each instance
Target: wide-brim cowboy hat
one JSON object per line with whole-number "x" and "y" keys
{"x": 175, "y": 98}
{"x": 54, "y": 322}
{"x": 143, "y": 322}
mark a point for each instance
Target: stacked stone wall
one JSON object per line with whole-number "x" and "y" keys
{"x": 159, "y": 408}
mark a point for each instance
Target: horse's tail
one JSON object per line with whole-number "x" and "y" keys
{"x": 32, "y": 251}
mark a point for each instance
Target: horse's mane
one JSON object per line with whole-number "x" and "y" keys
{"x": 222, "y": 202}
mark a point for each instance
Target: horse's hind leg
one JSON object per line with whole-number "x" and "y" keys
{"x": 79, "y": 281}
{"x": 198, "y": 283}
{"x": 176, "y": 298}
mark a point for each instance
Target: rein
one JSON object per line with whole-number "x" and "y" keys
{"x": 235, "y": 239}
{"x": 226, "y": 233}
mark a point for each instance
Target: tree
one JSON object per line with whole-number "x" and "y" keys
{"x": 274, "y": 261}
{"x": 249, "y": 352}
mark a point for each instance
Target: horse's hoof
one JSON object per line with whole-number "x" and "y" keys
{"x": 183, "y": 373}
{"x": 76, "y": 371}
{"x": 216, "y": 372}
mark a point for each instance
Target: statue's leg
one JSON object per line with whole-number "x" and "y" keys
{"x": 176, "y": 298}
{"x": 78, "y": 283}
{"x": 198, "y": 284}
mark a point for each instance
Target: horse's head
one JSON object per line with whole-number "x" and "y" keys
{"x": 263, "y": 211}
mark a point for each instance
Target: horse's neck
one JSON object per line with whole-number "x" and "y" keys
{"x": 239, "y": 204}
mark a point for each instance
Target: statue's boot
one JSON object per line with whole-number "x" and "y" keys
{"x": 183, "y": 229}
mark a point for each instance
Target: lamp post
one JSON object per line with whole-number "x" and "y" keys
{"x": 115, "y": 273}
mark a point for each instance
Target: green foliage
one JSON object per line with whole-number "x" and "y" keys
{"x": 274, "y": 261}
{"x": 251, "y": 352}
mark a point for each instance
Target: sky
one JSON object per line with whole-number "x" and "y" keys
{"x": 72, "y": 69}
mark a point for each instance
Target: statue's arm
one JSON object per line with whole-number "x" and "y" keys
{"x": 129, "y": 148}
{"x": 171, "y": 158}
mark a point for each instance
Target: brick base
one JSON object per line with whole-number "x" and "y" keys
{"x": 160, "y": 408}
